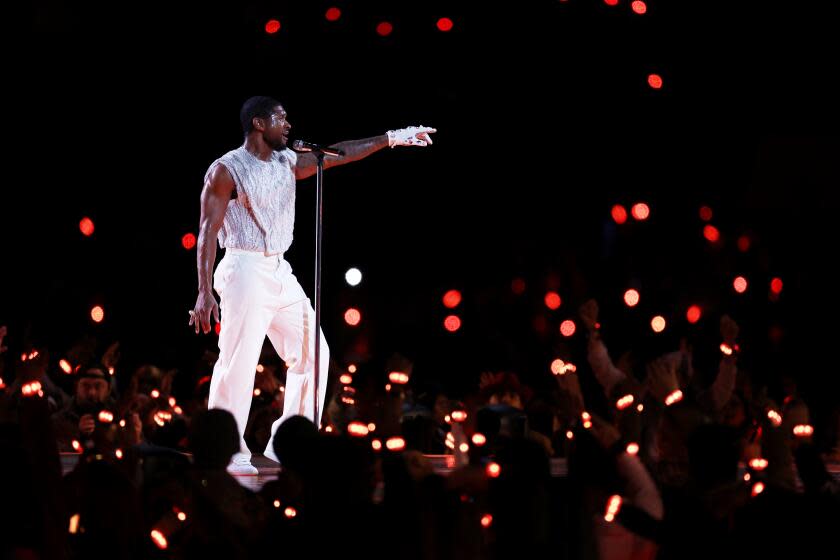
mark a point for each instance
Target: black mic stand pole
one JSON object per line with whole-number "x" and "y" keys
{"x": 319, "y": 215}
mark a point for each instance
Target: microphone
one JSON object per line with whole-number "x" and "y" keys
{"x": 301, "y": 146}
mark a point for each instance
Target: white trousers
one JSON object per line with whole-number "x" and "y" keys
{"x": 260, "y": 296}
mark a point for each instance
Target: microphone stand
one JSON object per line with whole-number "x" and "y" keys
{"x": 319, "y": 215}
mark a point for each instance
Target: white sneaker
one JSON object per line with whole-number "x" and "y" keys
{"x": 269, "y": 453}
{"x": 240, "y": 464}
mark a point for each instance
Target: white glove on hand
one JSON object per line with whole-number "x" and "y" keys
{"x": 411, "y": 136}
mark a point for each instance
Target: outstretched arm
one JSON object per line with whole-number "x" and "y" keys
{"x": 354, "y": 150}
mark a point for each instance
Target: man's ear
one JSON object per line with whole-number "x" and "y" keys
{"x": 258, "y": 123}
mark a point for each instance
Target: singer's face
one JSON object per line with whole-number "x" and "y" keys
{"x": 276, "y": 133}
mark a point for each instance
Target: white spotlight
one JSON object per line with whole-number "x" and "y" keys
{"x": 353, "y": 276}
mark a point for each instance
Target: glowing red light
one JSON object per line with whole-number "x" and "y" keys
{"x": 640, "y": 211}
{"x": 395, "y": 444}
{"x": 384, "y": 29}
{"x": 351, "y": 368}
{"x": 517, "y": 286}
{"x": 631, "y": 297}
{"x": 632, "y": 448}
{"x": 272, "y": 26}
{"x": 655, "y": 81}
{"x": 333, "y": 14}
{"x": 624, "y": 402}
{"x": 658, "y": 324}
{"x": 188, "y": 241}
{"x": 493, "y": 470}
{"x": 611, "y": 2}
{"x": 613, "y": 507}
{"x": 376, "y": 444}
{"x": 486, "y": 520}
{"x": 674, "y": 397}
{"x": 758, "y": 464}
{"x": 744, "y": 243}
{"x": 479, "y": 439}
{"x": 159, "y": 539}
{"x": 445, "y": 24}
{"x": 459, "y": 415}
{"x": 86, "y": 226}
{"x": 97, "y": 314}
{"x": 711, "y": 233}
{"x": 740, "y": 284}
{"x": 776, "y": 285}
{"x": 552, "y": 300}
{"x": 774, "y": 417}
{"x": 290, "y": 512}
{"x": 705, "y": 213}
{"x": 451, "y": 298}
{"x": 693, "y": 314}
{"x": 398, "y": 377}
{"x": 757, "y": 489}
{"x": 345, "y": 379}
{"x": 32, "y": 388}
{"x": 452, "y": 323}
{"x": 65, "y": 366}
{"x": 352, "y": 317}
{"x": 619, "y": 214}
{"x": 639, "y": 7}
{"x": 357, "y": 429}
{"x": 106, "y": 416}
{"x": 567, "y": 327}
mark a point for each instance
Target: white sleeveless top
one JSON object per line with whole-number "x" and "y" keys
{"x": 262, "y": 216}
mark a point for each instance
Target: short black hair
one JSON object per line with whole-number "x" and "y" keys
{"x": 258, "y": 106}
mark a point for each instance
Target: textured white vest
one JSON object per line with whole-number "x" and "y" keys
{"x": 262, "y": 216}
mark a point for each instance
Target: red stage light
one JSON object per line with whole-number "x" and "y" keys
{"x": 693, "y": 314}
{"x": 188, "y": 241}
{"x": 655, "y": 81}
{"x": 567, "y": 327}
{"x": 452, "y": 323}
{"x": 552, "y": 300}
{"x": 352, "y": 317}
{"x": 640, "y": 211}
{"x": 97, "y": 314}
{"x": 451, "y": 298}
{"x": 711, "y": 233}
{"x": 86, "y": 226}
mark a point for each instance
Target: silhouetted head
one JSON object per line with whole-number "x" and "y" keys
{"x": 214, "y": 438}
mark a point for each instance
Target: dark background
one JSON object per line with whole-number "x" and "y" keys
{"x": 545, "y": 121}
